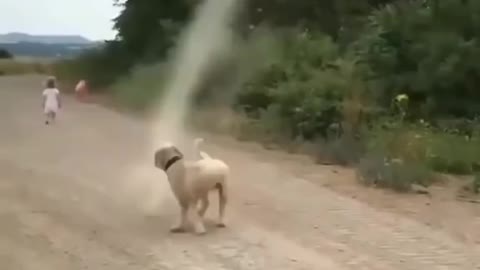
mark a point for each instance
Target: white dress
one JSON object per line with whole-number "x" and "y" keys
{"x": 51, "y": 101}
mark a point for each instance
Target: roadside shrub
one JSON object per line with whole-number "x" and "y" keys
{"x": 101, "y": 67}
{"x": 305, "y": 86}
{"x": 141, "y": 88}
{"x": 398, "y": 175}
{"x": 14, "y": 67}
{"x": 345, "y": 150}
{"x": 402, "y": 142}
{"x": 429, "y": 53}
{"x": 454, "y": 154}
{"x": 4, "y": 54}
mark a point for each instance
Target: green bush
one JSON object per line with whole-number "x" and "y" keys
{"x": 4, "y": 54}
{"x": 441, "y": 151}
{"x": 306, "y": 87}
{"x": 394, "y": 174}
{"x": 101, "y": 67}
{"x": 141, "y": 88}
{"x": 429, "y": 53}
{"x": 453, "y": 153}
{"x": 345, "y": 150}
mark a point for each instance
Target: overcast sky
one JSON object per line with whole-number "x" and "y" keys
{"x": 89, "y": 18}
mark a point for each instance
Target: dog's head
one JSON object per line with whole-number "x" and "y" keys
{"x": 166, "y": 155}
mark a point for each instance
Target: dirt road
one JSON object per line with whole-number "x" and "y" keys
{"x": 75, "y": 196}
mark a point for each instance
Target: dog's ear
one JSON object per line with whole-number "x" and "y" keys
{"x": 176, "y": 152}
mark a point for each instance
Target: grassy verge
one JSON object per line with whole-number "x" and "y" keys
{"x": 400, "y": 159}
{"x": 312, "y": 98}
{"x": 17, "y": 67}
{"x": 395, "y": 158}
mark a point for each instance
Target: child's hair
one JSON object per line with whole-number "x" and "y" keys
{"x": 51, "y": 82}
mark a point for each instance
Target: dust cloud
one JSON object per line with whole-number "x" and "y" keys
{"x": 207, "y": 38}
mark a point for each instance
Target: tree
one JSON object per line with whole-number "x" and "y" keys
{"x": 4, "y": 54}
{"x": 144, "y": 25}
{"x": 147, "y": 28}
{"x": 430, "y": 54}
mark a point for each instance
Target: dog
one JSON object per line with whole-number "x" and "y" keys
{"x": 191, "y": 183}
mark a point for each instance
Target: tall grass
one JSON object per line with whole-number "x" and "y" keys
{"x": 19, "y": 67}
{"x": 141, "y": 88}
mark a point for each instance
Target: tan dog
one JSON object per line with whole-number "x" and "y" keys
{"x": 191, "y": 183}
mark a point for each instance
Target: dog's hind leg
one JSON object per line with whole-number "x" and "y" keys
{"x": 204, "y": 203}
{"x": 222, "y": 203}
{"x": 180, "y": 228}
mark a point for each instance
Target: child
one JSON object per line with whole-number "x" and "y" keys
{"x": 51, "y": 101}
{"x": 81, "y": 90}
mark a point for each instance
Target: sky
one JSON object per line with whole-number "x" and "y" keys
{"x": 89, "y": 18}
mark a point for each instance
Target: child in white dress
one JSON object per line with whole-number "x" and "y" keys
{"x": 51, "y": 101}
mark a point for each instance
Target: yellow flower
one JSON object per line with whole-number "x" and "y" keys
{"x": 401, "y": 97}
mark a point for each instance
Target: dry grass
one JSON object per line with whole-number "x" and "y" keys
{"x": 19, "y": 67}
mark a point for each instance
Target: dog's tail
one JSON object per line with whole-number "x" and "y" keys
{"x": 197, "y": 142}
{"x": 196, "y": 145}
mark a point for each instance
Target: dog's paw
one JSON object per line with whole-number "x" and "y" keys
{"x": 201, "y": 232}
{"x": 178, "y": 230}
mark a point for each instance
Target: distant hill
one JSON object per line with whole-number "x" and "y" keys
{"x": 31, "y": 49}
{"x": 51, "y": 46}
{"x": 46, "y": 39}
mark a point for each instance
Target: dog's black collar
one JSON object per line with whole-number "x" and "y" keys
{"x": 171, "y": 161}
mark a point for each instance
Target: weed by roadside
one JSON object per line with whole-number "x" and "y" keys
{"x": 345, "y": 151}
{"x": 454, "y": 154}
{"x": 14, "y": 67}
{"x": 394, "y": 174}
{"x": 140, "y": 88}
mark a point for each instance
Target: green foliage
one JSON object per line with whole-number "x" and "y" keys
{"x": 306, "y": 86}
{"x": 4, "y": 54}
{"x": 141, "y": 87}
{"x": 345, "y": 150}
{"x": 147, "y": 27}
{"x": 101, "y": 67}
{"x": 393, "y": 174}
{"x": 454, "y": 154}
{"x": 336, "y": 18}
{"x": 431, "y": 54}
{"x": 327, "y": 73}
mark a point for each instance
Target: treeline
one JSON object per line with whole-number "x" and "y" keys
{"x": 369, "y": 76}
{"x": 32, "y": 49}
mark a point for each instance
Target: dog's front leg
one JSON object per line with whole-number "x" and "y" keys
{"x": 180, "y": 227}
{"x": 198, "y": 225}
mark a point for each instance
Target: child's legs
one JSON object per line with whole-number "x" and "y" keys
{"x": 50, "y": 115}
